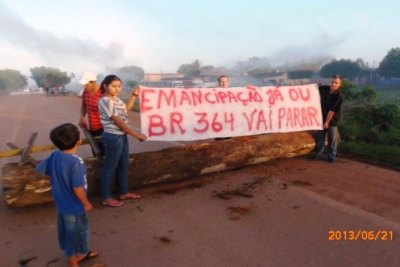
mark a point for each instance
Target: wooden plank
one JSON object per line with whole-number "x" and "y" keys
{"x": 92, "y": 142}
{"x": 27, "y": 149}
{"x": 29, "y": 158}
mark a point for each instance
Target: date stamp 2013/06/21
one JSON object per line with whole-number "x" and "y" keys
{"x": 354, "y": 235}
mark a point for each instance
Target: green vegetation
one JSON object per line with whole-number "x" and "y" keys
{"x": 50, "y": 77}
{"x": 385, "y": 156}
{"x": 371, "y": 125}
{"x": 346, "y": 68}
{"x": 11, "y": 80}
{"x": 193, "y": 69}
{"x": 388, "y": 94}
{"x": 300, "y": 74}
{"x": 390, "y": 65}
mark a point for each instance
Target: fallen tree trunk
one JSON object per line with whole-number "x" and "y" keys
{"x": 23, "y": 186}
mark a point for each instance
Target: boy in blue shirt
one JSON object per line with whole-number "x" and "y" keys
{"x": 68, "y": 180}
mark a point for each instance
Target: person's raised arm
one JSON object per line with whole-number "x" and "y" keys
{"x": 132, "y": 99}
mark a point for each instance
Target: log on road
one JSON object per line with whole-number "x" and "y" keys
{"x": 23, "y": 186}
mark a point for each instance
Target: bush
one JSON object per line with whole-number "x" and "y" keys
{"x": 366, "y": 121}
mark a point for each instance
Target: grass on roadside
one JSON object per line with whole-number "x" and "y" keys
{"x": 385, "y": 156}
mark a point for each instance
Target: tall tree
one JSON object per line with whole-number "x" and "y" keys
{"x": 390, "y": 65}
{"x": 190, "y": 69}
{"x": 254, "y": 63}
{"x": 11, "y": 80}
{"x": 346, "y": 68}
{"x": 300, "y": 74}
{"x": 49, "y": 77}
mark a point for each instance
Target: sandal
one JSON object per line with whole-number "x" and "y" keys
{"x": 129, "y": 196}
{"x": 89, "y": 255}
{"x": 110, "y": 202}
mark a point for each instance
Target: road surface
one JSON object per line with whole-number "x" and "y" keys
{"x": 281, "y": 213}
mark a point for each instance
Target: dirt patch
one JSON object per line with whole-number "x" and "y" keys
{"x": 244, "y": 190}
{"x": 301, "y": 183}
{"x": 49, "y": 263}
{"x": 173, "y": 188}
{"x": 25, "y": 262}
{"x": 229, "y": 194}
{"x": 165, "y": 240}
{"x": 236, "y": 212}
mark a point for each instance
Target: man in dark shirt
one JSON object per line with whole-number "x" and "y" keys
{"x": 331, "y": 105}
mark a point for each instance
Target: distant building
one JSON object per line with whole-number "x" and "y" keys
{"x": 156, "y": 77}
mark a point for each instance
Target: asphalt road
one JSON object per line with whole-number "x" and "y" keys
{"x": 281, "y": 213}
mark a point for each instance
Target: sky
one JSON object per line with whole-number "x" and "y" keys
{"x": 160, "y": 35}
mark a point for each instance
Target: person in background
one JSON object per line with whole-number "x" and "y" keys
{"x": 90, "y": 107}
{"x": 331, "y": 105}
{"x": 223, "y": 81}
{"x": 114, "y": 117}
{"x": 67, "y": 174}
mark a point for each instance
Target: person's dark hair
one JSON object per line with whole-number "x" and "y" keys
{"x": 107, "y": 80}
{"x": 337, "y": 76}
{"x": 222, "y": 76}
{"x": 65, "y": 136}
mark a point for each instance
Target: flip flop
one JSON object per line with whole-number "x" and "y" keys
{"x": 89, "y": 255}
{"x": 129, "y": 196}
{"x": 112, "y": 203}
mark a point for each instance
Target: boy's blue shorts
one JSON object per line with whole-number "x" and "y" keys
{"x": 73, "y": 234}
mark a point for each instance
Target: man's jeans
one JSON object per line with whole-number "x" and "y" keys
{"x": 99, "y": 142}
{"x": 333, "y": 135}
{"x": 116, "y": 161}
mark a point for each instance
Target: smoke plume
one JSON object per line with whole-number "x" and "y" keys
{"x": 55, "y": 50}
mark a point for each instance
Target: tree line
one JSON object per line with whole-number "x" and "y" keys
{"x": 11, "y": 80}
{"x": 260, "y": 67}
{"x": 256, "y": 67}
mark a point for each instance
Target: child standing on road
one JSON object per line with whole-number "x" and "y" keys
{"x": 114, "y": 118}
{"x": 68, "y": 180}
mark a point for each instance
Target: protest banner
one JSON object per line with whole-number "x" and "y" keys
{"x": 172, "y": 114}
